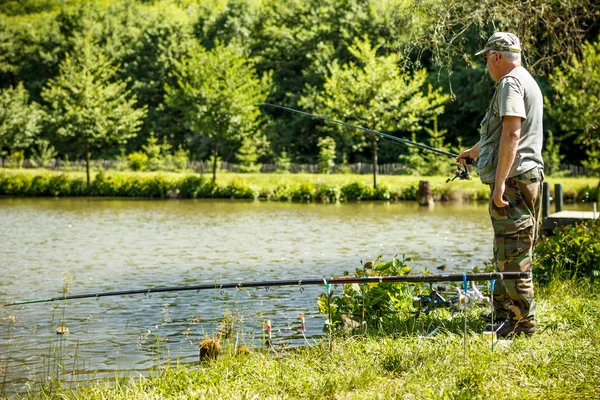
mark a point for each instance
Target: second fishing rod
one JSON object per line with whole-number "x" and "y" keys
{"x": 461, "y": 174}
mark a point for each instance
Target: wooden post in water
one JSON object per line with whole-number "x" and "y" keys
{"x": 545, "y": 199}
{"x": 424, "y": 196}
{"x": 558, "y": 197}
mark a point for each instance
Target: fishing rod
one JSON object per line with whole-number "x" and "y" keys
{"x": 491, "y": 276}
{"x": 462, "y": 175}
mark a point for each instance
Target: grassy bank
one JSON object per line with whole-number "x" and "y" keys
{"x": 284, "y": 187}
{"x": 560, "y": 362}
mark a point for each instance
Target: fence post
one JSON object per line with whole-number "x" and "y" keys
{"x": 545, "y": 199}
{"x": 558, "y": 197}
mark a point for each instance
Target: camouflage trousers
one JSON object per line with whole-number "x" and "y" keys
{"x": 516, "y": 229}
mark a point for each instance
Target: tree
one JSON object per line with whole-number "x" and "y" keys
{"x": 326, "y": 154}
{"x": 20, "y": 120}
{"x": 297, "y": 40}
{"x": 427, "y": 163}
{"x": 166, "y": 37}
{"x": 219, "y": 94}
{"x": 86, "y": 107}
{"x": 575, "y": 105}
{"x": 549, "y": 30}
{"x": 374, "y": 93}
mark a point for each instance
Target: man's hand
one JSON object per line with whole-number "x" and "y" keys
{"x": 462, "y": 157}
{"x": 472, "y": 153}
{"x": 498, "y": 196}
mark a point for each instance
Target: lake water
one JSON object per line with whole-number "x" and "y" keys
{"x": 96, "y": 245}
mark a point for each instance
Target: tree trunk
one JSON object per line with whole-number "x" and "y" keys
{"x": 424, "y": 194}
{"x": 215, "y": 155}
{"x": 374, "y": 162}
{"x": 87, "y": 162}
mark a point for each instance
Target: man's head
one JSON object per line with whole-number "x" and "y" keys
{"x": 502, "y": 53}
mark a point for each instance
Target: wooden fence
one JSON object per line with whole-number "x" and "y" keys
{"x": 205, "y": 167}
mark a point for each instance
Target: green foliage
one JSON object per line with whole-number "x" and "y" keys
{"x": 374, "y": 93}
{"x": 18, "y": 7}
{"x": 43, "y": 153}
{"x": 576, "y": 102}
{"x": 326, "y": 154}
{"x": 164, "y": 37}
{"x": 305, "y": 191}
{"x": 551, "y": 155}
{"x": 85, "y": 105}
{"x": 360, "y": 307}
{"x": 283, "y": 191}
{"x": 247, "y": 156}
{"x": 180, "y": 159}
{"x": 356, "y": 191}
{"x": 237, "y": 189}
{"x": 410, "y": 192}
{"x": 158, "y": 154}
{"x": 587, "y": 194}
{"x": 20, "y": 120}
{"x": 218, "y": 93}
{"x": 137, "y": 161}
{"x": 283, "y": 162}
{"x": 301, "y": 41}
{"x": 327, "y": 193}
{"x": 382, "y": 192}
{"x": 196, "y": 187}
{"x": 17, "y": 157}
{"x": 572, "y": 252}
{"x": 426, "y": 163}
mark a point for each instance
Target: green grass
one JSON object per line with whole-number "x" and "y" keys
{"x": 562, "y": 361}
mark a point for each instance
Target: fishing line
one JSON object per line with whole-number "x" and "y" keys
{"x": 362, "y": 128}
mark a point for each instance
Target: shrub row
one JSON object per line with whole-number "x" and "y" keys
{"x": 197, "y": 186}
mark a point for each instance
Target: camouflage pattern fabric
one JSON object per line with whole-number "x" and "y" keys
{"x": 516, "y": 229}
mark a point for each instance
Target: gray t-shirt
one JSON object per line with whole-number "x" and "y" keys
{"x": 517, "y": 94}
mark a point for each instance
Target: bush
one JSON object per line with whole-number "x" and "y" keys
{"x": 282, "y": 191}
{"x": 236, "y": 189}
{"x": 383, "y": 192}
{"x": 410, "y": 192}
{"x": 354, "y": 191}
{"x": 304, "y": 191}
{"x": 159, "y": 186}
{"x": 38, "y": 186}
{"x": 78, "y": 187}
{"x": 180, "y": 159}
{"x": 588, "y": 194}
{"x": 137, "y": 161}
{"x": 14, "y": 185}
{"x": 195, "y": 187}
{"x": 369, "y": 305}
{"x": 327, "y": 193}
{"x": 572, "y": 252}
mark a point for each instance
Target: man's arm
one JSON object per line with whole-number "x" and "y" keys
{"x": 511, "y": 132}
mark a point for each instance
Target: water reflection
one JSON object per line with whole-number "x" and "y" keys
{"x": 104, "y": 245}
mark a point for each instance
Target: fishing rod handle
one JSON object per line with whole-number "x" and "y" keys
{"x": 470, "y": 161}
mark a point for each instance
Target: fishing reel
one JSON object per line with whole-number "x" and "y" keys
{"x": 462, "y": 174}
{"x": 427, "y": 302}
{"x": 434, "y": 299}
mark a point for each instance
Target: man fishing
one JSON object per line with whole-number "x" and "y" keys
{"x": 509, "y": 160}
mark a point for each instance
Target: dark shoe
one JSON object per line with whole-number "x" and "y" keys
{"x": 507, "y": 329}
{"x": 498, "y": 317}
